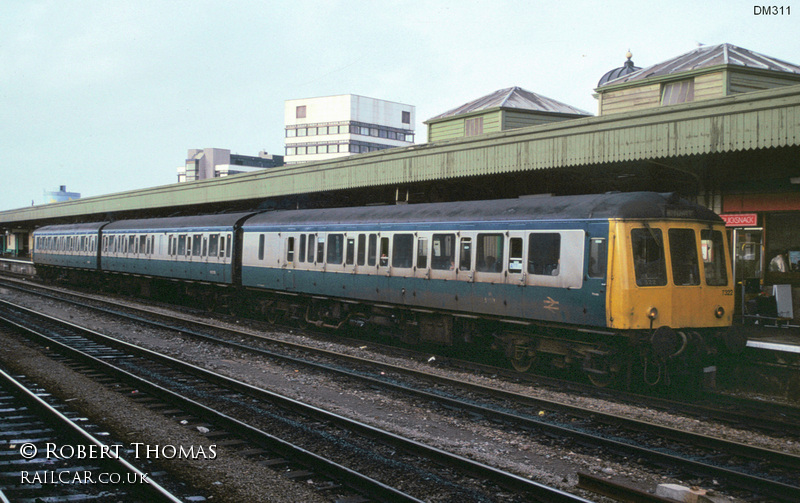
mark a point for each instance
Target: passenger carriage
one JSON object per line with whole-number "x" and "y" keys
{"x": 194, "y": 249}
{"x": 61, "y": 248}
{"x": 600, "y": 280}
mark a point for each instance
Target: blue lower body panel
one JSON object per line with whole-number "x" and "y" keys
{"x": 173, "y": 269}
{"x": 558, "y": 305}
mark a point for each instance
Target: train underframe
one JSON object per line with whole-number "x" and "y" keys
{"x": 627, "y": 359}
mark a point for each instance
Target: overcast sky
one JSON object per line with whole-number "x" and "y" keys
{"x": 105, "y": 96}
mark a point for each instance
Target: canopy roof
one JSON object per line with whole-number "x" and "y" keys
{"x": 513, "y": 98}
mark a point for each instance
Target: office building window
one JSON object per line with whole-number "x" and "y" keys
{"x": 406, "y": 117}
{"x": 300, "y": 112}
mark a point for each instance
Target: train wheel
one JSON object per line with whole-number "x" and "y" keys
{"x": 601, "y": 380}
{"x": 272, "y": 315}
{"x": 599, "y": 366}
{"x": 522, "y": 356}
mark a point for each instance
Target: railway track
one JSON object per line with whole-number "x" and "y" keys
{"x": 246, "y": 412}
{"x": 740, "y": 412}
{"x": 46, "y": 455}
{"x": 718, "y": 461}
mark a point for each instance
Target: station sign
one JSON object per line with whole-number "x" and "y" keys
{"x": 740, "y": 219}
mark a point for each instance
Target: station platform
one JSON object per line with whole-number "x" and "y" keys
{"x": 781, "y": 338}
{"x": 17, "y": 265}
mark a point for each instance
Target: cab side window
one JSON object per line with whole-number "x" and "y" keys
{"x": 598, "y": 258}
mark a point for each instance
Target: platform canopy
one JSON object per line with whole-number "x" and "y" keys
{"x": 749, "y": 121}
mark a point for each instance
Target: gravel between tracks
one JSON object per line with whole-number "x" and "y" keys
{"x": 541, "y": 458}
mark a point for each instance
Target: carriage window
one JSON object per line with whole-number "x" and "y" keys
{"x": 312, "y": 244}
{"x": 372, "y": 254}
{"x": 648, "y": 257}
{"x": 290, "y": 250}
{"x": 197, "y": 244}
{"x": 320, "y": 249}
{"x": 422, "y": 253}
{"x": 350, "y": 256}
{"x": 132, "y": 244}
{"x": 182, "y": 244}
{"x": 362, "y": 249}
{"x": 544, "y": 253}
{"x": 683, "y": 254}
{"x": 443, "y": 251}
{"x": 228, "y": 246}
{"x": 384, "y": 252}
{"x": 143, "y": 243}
{"x": 213, "y": 245}
{"x": 260, "y": 247}
{"x": 489, "y": 256}
{"x": 515, "y": 255}
{"x": 598, "y": 258}
{"x": 335, "y": 248}
{"x": 403, "y": 250}
{"x": 713, "y": 257}
{"x": 301, "y": 253}
{"x": 465, "y": 255}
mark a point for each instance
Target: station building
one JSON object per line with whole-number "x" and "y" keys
{"x": 319, "y": 129}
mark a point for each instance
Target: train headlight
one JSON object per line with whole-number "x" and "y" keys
{"x": 652, "y": 313}
{"x": 719, "y": 312}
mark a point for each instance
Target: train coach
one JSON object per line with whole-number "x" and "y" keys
{"x": 68, "y": 247}
{"x": 618, "y": 285}
{"x": 191, "y": 249}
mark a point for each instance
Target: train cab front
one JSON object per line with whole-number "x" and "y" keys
{"x": 672, "y": 295}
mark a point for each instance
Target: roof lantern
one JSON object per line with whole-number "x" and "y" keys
{"x": 619, "y": 72}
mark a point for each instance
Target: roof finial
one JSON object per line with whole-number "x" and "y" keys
{"x": 629, "y": 63}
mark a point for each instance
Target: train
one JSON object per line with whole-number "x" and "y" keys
{"x": 623, "y": 287}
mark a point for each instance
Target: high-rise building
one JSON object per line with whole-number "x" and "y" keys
{"x": 335, "y": 126}
{"x": 217, "y": 162}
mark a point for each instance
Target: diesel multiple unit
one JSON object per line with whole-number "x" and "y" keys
{"x": 619, "y": 285}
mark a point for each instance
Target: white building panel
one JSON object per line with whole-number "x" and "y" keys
{"x": 335, "y": 126}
